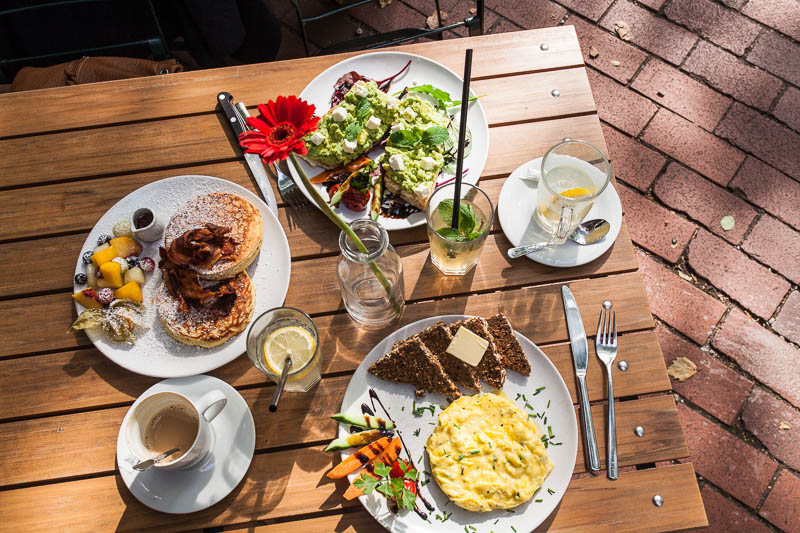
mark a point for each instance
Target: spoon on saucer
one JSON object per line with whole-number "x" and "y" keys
{"x": 144, "y": 465}
{"x": 588, "y": 232}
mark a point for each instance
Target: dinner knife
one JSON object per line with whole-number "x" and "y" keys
{"x": 253, "y": 160}
{"x": 580, "y": 359}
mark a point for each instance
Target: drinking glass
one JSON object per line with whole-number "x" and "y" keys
{"x": 574, "y": 174}
{"x": 456, "y": 252}
{"x": 300, "y": 379}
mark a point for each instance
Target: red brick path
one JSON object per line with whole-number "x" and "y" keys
{"x": 702, "y": 120}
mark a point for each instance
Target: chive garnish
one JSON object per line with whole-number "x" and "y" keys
{"x": 548, "y": 404}
{"x": 550, "y": 431}
{"x": 540, "y": 389}
{"x": 474, "y": 452}
{"x": 537, "y": 501}
{"x": 551, "y": 491}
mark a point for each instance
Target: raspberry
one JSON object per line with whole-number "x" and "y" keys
{"x": 102, "y": 239}
{"x": 87, "y": 257}
{"x": 147, "y": 264}
{"x": 105, "y": 296}
{"x": 80, "y": 278}
{"x": 133, "y": 262}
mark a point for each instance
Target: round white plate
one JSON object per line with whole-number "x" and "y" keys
{"x": 516, "y": 207}
{"x": 398, "y": 400}
{"x": 156, "y": 353}
{"x": 186, "y": 491}
{"x": 381, "y": 65}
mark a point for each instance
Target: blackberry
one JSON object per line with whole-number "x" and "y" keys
{"x": 103, "y": 239}
{"x": 133, "y": 262}
{"x": 80, "y": 278}
{"x": 87, "y": 257}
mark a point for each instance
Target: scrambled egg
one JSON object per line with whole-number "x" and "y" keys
{"x": 486, "y": 454}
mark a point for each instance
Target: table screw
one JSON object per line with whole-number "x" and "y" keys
{"x": 233, "y": 119}
{"x": 639, "y": 432}
{"x": 555, "y": 93}
{"x": 544, "y": 46}
{"x": 607, "y": 304}
{"x": 658, "y": 501}
{"x": 623, "y": 366}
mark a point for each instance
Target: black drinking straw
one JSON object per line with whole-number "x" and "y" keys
{"x": 462, "y": 136}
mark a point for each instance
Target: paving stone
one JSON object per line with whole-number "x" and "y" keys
{"x": 788, "y": 321}
{"x": 735, "y": 274}
{"x": 653, "y": 227}
{"x": 725, "y": 515}
{"x": 782, "y": 506}
{"x": 783, "y": 15}
{"x": 633, "y": 162}
{"x": 529, "y": 13}
{"x": 778, "y": 55}
{"x": 693, "y": 146}
{"x": 395, "y": 16}
{"x": 788, "y": 108}
{"x": 761, "y": 353}
{"x": 769, "y": 189}
{"x": 763, "y": 415}
{"x": 776, "y": 244}
{"x": 763, "y": 137}
{"x": 592, "y": 9}
{"x": 611, "y": 48}
{"x": 716, "y": 23}
{"x": 715, "y": 387}
{"x": 655, "y": 4}
{"x": 686, "y": 96}
{"x": 618, "y": 105}
{"x": 670, "y": 297}
{"x": 500, "y": 24}
{"x": 653, "y": 33}
{"x": 729, "y": 463}
{"x": 731, "y": 75}
{"x": 736, "y": 4}
{"x": 686, "y": 191}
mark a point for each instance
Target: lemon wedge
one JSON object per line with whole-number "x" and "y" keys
{"x": 291, "y": 341}
{"x": 576, "y": 191}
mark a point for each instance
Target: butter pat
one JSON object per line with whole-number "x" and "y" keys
{"x": 467, "y": 346}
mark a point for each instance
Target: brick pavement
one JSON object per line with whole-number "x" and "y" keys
{"x": 702, "y": 120}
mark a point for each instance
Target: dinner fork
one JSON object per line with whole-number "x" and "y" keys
{"x": 606, "y": 347}
{"x": 287, "y": 188}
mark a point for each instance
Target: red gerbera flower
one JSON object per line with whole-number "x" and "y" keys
{"x": 280, "y": 127}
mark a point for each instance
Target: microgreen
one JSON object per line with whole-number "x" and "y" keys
{"x": 363, "y": 109}
{"x": 352, "y": 131}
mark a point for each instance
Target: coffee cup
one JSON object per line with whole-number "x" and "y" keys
{"x": 166, "y": 420}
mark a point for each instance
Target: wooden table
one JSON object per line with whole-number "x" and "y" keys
{"x": 69, "y": 153}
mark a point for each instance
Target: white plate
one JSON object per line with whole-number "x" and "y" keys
{"x": 398, "y": 400}
{"x": 186, "y": 491}
{"x": 517, "y": 204}
{"x": 381, "y": 65}
{"x": 156, "y": 353}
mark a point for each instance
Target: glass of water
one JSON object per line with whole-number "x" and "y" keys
{"x": 574, "y": 174}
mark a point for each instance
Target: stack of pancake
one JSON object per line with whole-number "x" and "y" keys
{"x": 422, "y": 360}
{"x": 210, "y": 297}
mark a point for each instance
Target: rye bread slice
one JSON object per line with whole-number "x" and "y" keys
{"x": 437, "y": 338}
{"x": 508, "y": 346}
{"x": 490, "y": 369}
{"x": 411, "y": 362}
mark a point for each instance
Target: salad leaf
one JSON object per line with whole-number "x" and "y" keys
{"x": 435, "y": 135}
{"x": 352, "y": 131}
{"x": 404, "y": 138}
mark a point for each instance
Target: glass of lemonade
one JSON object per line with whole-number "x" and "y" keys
{"x": 456, "y": 251}
{"x": 282, "y": 332}
{"x": 574, "y": 174}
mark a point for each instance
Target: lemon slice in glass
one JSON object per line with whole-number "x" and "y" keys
{"x": 292, "y": 341}
{"x": 575, "y": 192}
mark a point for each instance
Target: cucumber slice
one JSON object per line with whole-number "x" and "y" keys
{"x": 364, "y": 421}
{"x": 356, "y": 439}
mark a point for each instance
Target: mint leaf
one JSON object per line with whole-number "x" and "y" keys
{"x": 445, "y": 209}
{"x": 381, "y": 469}
{"x": 466, "y": 217}
{"x": 441, "y": 96}
{"x": 366, "y": 483}
{"x": 451, "y": 234}
{"x": 474, "y": 235}
{"x": 407, "y": 500}
{"x": 404, "y": 139}
{"x": 435, "y": 135}
{"x": 363, "y": 109}
{"x": 352, "y": 131}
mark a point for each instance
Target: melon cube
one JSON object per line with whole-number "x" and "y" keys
{"x": 103, "y": 256}
{"x": 135, "y": 274}
{"x": 112, "y": 273}
{"x": 126, "y": 246}
{"x": 130, "y": 290}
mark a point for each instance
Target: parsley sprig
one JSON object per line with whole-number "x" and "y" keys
{"x": 392, "y": 488}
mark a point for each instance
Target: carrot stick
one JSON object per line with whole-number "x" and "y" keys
{"x": 388, "y": 457}
{"x": 341, "y": 169}
{"x": 361, "y": 457}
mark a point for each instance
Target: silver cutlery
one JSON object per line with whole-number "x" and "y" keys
{"x": 606, "y": 348}
{"x": 588, "y": 232}
{"x": 144, "y": 465}
{"x": 580, "y": 360}
{"x": 287, "y": 188}
{"x": 239, "y": 126}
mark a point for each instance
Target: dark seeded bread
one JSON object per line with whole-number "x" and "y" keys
{"x": 437, "y": 338}
{"x": 411, "y": 362}
{"x": 490, "y": 369}
{"x": 507, "y": 344}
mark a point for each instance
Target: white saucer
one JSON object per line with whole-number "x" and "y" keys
{"x": 186, "y": 491}
{"x": 516, "y": 207}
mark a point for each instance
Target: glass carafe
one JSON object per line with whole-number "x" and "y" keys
{"x": 372, "y": 282}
